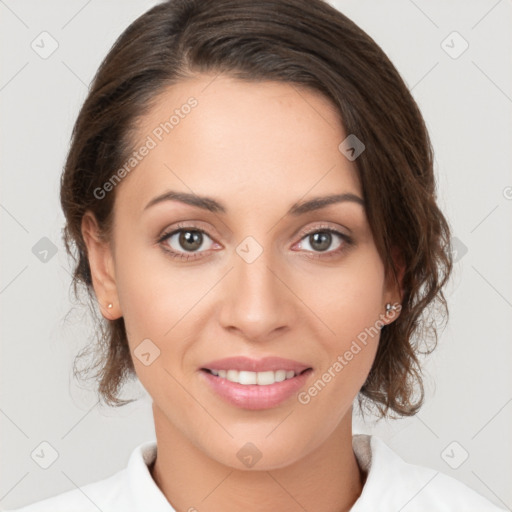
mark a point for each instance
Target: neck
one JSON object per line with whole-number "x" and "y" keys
{"x": 326, "y": 480}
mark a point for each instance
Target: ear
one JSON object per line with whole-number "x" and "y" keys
{"x": 101, "y": 263}
{"x": 394, "y": 290}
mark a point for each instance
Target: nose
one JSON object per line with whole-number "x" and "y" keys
{"x": 258, "y": 305}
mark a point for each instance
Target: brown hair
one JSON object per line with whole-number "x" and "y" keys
{"x": 304, "y": 42}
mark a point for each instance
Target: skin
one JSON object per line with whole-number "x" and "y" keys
{"x": 258, "y": 148}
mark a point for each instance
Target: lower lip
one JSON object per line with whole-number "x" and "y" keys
{"x": 254, "y": 396}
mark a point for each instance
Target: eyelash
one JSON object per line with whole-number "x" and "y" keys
{"x": 191, "y": 256}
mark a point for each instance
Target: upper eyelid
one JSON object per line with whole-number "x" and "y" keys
{"x": 184, "y": 227}
{"x": 319, "y": 228}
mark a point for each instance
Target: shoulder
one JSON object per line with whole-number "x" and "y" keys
{"x": 394, "y": 484}
{"x": 129, "y": 490}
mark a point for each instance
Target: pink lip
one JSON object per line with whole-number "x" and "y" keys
{"x": 254, "y": 396}
{"x": 255, "y": 365}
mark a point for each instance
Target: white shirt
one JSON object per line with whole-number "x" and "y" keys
{"x": 391, "y": 485}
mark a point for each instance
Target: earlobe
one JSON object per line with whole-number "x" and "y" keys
{"x": 392, "y": 312}
{"x": 108, "y": 311}
{"x": 101, "y": 263}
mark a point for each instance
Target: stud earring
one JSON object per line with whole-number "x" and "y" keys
{"x": 109, "y": 306}
{"x": 390, "y": 307}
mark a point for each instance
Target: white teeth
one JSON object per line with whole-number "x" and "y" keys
{"x": 260, "y": 378}
{"x": 246, "y": 377}
{"x": 265, "y": 378}
{"x": 232, "y": 375}
{"x": 280, "y": 375}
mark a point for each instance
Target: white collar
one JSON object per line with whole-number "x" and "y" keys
{"x": 391, "y": 483}
{"x": 148, "y": 496}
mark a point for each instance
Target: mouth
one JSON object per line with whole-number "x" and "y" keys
{"x": 248, "y": 378}
{"x": 255, "y": 384}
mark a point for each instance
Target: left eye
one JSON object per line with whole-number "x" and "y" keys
{"x": 321, "y": 240}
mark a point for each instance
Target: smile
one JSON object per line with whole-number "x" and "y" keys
{"x": 259, "y": 378}
{"x": 255, "y": 384}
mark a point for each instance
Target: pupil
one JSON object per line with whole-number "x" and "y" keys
{"x": 321, "y": 240}
{"x": 194, "y": 238}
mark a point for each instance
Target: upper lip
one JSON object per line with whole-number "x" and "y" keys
{"x": 255, "y": 365}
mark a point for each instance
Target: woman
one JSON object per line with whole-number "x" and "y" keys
{"x": 250, "y": 196}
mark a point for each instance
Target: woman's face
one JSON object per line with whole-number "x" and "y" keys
{"x": 252, "y": 276}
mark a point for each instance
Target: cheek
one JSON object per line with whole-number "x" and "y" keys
{"x": 153, "y": 292}
{"x": 349, "y": 303}
{"x": 160, "y": 301}
{"x": 347, "y": 300}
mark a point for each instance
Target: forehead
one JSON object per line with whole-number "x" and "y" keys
{"x": 220, "y": 136}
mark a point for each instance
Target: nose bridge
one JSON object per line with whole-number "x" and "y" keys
{"x": 258, "y": 302}
{"x": 252, "y": 271}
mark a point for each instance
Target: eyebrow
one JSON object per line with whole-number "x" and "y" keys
{"x": 214, "y": 206}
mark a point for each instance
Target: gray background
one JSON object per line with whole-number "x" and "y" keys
{"x": 466, "y": 101}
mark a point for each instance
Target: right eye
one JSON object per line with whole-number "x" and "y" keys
{"x": 184, "y": 242}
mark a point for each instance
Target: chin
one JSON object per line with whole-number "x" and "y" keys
{"x": 262, "y": 453}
